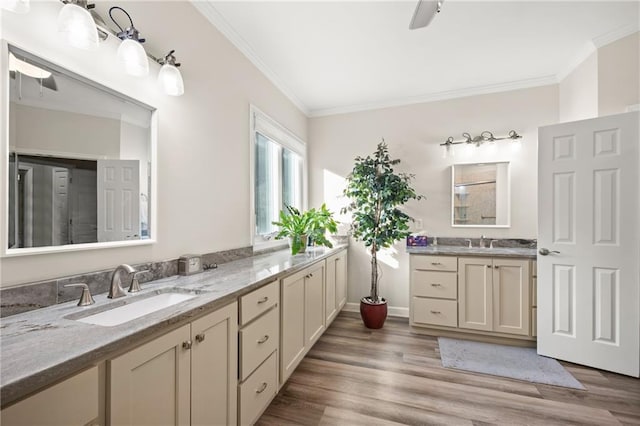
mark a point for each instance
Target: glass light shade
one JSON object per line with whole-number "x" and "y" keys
{"x": 26, "y": 68}
{"x": 133, "y": 58}
{"x": 77, "y": 26}
{"x": 17, "y": 6}
{"x": 170, "y": 80}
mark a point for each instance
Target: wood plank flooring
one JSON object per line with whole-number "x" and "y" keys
{"x": 355, "y": 376}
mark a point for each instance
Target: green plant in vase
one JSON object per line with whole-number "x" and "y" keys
{"x": 299, "y": 226}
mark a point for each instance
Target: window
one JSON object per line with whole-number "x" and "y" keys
{"x": 279, "y": 173}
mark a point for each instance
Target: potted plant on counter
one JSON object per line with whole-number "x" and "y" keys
{"x": 376, "y": 193}
{"x": 300, "y": 226}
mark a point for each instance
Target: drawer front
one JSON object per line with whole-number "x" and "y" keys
{"x": 258, "y": 390}
{"x": 434, "y": 263}
{"x": 443, "y": 285}
{"x": 258, "y": 301}
{"x": 434, "y": 311}
{"x": 257, "y": 341}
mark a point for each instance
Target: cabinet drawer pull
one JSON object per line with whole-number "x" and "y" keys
{"x": 436, "y": 285}
{"x": 436, "y": 263}
{"x": 263, "y": 300}
{"x": 496, "y": 266}
{"x": 200, "y": 337}
{"x": 436, "y": 312}
{"x": 187, "y": 344}
{"x": 264, "y": 339}
{"x": 262, "y": 388}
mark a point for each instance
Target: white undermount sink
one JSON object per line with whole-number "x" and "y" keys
{"x": 136, "y": 309}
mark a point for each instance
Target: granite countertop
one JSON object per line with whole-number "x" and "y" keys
{"x": 40, "y": 347}
{"x": 528, "y": 253}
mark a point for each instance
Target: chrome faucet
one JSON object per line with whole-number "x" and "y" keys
{"x": 482, "y": 242}
{"x": 116, "y": 289}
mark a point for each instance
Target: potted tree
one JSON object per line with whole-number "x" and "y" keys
{"x": 300, "y": 226}
{"x": 376, "y": 193}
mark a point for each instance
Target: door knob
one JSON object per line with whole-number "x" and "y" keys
{"x": 546, "y": 251}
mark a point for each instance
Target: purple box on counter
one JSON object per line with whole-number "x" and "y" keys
{"x": 417, "y": 241}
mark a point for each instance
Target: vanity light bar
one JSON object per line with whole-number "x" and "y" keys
{"x": 485, "y": 136}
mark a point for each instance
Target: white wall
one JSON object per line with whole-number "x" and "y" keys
{"x": 414, "y": 133}
{"x": 578, "y": 92}
{"x": 619, "y": 75}
{"x": 203, "y": 146}
{"x": 37, "y": 130}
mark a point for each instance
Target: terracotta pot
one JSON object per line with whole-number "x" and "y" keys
{"x": 373, "y": 314}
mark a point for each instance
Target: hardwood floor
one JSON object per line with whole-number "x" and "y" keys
{"x": 356, "y": 376}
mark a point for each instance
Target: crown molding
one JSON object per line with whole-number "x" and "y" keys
{"x": 440, "y": 96}
{"x": 615, "y": 35}
{"x": 208, "y": 10}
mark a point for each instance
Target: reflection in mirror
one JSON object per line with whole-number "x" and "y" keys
{"x": 480, "y": 195}
{"x": 79, "y": 159}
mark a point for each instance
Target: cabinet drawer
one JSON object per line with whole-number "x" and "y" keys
{"x": 257, "y": 341}
{"x": 443, "y": 285}
{"x": 258, "y": 390}
{"x": 434, "y": 263}
{"x": 434, "y": 311}
{"x": 258, "y": 301}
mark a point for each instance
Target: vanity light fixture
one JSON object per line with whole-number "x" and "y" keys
{"x": 16, "y": 6}
{"x": 77, "y": 26}
{"x": 131, "y": 54}
{"x": 469, "y": 141}
{"x": 169, "y": 78}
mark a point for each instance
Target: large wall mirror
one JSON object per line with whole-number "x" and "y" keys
{"x": 480, "y": 195}
{"x": 80, "y": 161}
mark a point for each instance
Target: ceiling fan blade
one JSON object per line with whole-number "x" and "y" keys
{"x": 424, "y": 13}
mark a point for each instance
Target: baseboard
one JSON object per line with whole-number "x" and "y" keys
{"x": 393, "y": 311}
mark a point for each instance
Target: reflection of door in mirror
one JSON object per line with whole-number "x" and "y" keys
{"x": 480, "y": 195}
{"x": 62, "y": 129}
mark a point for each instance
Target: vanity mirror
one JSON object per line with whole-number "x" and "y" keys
{"x": 480, "y": 195}
{"x": 79, "y": 161}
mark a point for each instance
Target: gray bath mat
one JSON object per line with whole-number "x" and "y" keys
{"x": 506, "y": 361}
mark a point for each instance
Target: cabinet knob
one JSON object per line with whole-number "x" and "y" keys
{"x": 263, "y": 300}
{"x": 262, "y": 387}
{"x": 263, "y": 339}
{"x": 187, "y": 344}
{"x": 435, "y": 312}
{"x": 488, "y": 266}
{"x": 435, "y": 284}
{"x": 200, "y": 337}
{"x": 495, "y": 266}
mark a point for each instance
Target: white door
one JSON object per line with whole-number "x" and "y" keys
{"x": 118, "y": 200}
{"x": 84, "y": 210}
{"x": 60, "y": 206}
{"x": 588, "y": 281}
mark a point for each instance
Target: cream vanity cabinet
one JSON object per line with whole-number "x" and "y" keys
{"x": 259, "y": 341}
{"x": 72, "y": 402}
{"x": 335, "y": 286}
{"x": 302, "y": 315}
{"x": 187, "y": 376}
{"x": 534, "y": 298}
{"x": 494, "y": 295}
{"x": 476, "y": 295}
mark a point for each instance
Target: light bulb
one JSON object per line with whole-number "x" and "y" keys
{"x": 516, "y": 145}
{"x": 132, "y": 56}
{"x": 17, "y": 6}
{"x": 170, "y": 79}
{"x": 77, "y": 26}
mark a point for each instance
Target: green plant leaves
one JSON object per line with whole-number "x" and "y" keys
{"x": 312, "y": 223}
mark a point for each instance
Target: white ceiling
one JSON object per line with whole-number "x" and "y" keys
{"x": 338, "y": 56}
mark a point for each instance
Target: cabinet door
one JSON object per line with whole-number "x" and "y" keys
{"x": 331, "y": 299}
{"x": 73, "y": 402}
{"x": 292, "y": 341}
{"x": 475, "y": 293}
{"x": 314, "y": 319}
{"x": 341, "y": 279}
{"x": 150, "y": 384}
{"x": 511, "y": 296}
{"x": 214, "y": 367}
